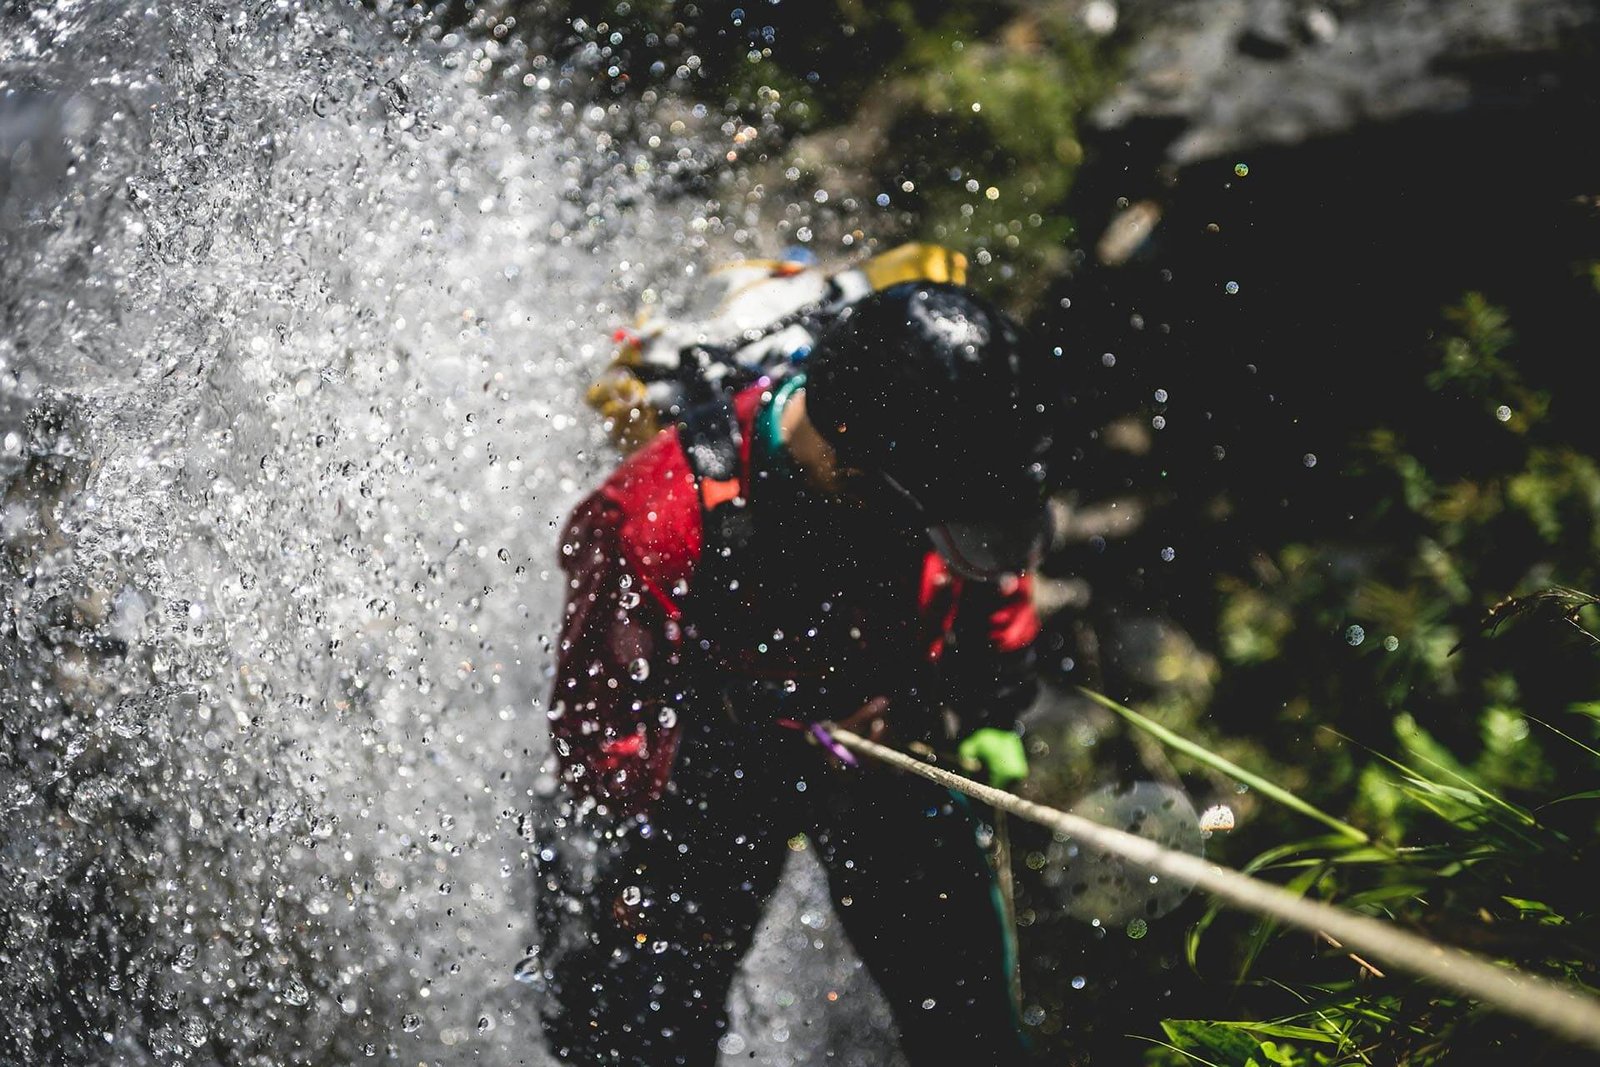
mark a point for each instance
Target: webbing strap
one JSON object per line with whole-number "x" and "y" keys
{"x": 710, "y": 438}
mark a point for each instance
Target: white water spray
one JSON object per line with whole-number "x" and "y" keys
{"x": 293, "y": 326}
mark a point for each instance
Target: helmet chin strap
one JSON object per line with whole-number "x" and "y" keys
{"x": 939, "y": 533}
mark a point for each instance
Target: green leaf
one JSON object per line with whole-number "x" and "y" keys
{"x": 1227, "y": 1045}
{"x": 1228, "y": 767}
{"x": 1590, "y": 794}
{"x": 1562, "y": 733}
{"x": 1285, "y": 1030}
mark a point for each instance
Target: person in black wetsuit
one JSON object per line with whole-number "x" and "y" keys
{"x": 850, "y": 545}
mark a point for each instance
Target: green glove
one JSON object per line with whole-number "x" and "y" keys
{"x": 1001, "y": 754}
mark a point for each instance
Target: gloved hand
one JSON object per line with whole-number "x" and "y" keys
{"x": 1000, "y": 752}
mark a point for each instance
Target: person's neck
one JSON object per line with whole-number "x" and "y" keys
{"x": 814, "y": 456}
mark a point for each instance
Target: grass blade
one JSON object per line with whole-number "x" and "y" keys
{"x": 1228, "y": 767}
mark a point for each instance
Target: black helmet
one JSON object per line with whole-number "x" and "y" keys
{"x": 935, "y": 391}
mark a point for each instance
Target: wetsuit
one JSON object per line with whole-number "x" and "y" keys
{"x": 715, "y": 609}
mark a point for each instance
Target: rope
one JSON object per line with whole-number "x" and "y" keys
{"x": 1556, "y": 1006}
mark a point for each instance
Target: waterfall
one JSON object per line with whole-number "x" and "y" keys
{"x": 296, "y": 320}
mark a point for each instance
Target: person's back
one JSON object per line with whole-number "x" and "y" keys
{"x": 733, "y": 585}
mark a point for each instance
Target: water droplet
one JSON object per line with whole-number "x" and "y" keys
{"x": 527, "y": 970}
{"x": 1309, "y": 459}
{"x": 410, "y": 1022}
{"x": 1137, "y": 928}
{"x": 639, "y": 669}
{"x": 1242, "y": 170}
{"x": 1391, "y": 643}
{"x": 1232, "y": 288}
{"x": 1169, "y": 554}
{"x": 1354, "y": 635}
{"x": 1079, "y": 981}
{"x": 632, "y": 895}
{"x": 1217, "y": 818}
{"x": 927, "y": 1005}
{"x": 1503, "y": 413}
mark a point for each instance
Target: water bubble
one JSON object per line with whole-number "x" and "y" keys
{"x": 1354, "y": 635}
{"x": 1309, "y": 459}
{"x": 1503, "y": 413}
{"x": 1218, "y": 818}
{"x": 1169, "y": 554}
{"x": 1093, "y": 885}
{"x": 1079, "y": 981}
{"x": 1232, "y": 288}
{"x": 410, "y": 1022}
{"x": 632, "y": 895}
{"x": 1099, "y": 17}
{"x": 1391, "y": 643}
{"x": 639, "y": 669}
{"x": 1137, "y": 928}
{"x": 1243, "y": 169}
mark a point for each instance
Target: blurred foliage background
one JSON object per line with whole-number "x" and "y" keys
{"x": 1329, "y": 503}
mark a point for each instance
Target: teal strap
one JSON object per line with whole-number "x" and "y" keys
{"x": 769, "y": 425}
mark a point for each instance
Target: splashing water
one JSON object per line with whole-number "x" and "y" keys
{"x": 294, "y": 324}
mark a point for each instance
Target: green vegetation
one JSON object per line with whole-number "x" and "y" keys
{"x": 1464, "y": 741}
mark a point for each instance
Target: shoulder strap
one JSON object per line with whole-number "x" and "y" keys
{"x": 710, "y": 437}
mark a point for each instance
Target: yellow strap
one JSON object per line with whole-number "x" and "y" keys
{"x": 915, "y": 262}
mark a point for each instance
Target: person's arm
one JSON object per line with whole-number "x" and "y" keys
{"x": 989, "y": 672}
{"x": 611, "y": 722}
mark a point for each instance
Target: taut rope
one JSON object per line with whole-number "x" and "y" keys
{"x": 1555, "y": 1006}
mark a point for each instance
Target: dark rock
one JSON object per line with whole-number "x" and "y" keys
{"x": 1226, "y": 75}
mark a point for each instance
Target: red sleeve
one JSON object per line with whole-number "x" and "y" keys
{"x": 626, "y": 552}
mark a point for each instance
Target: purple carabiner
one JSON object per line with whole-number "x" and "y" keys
{"x": 844, "y": 755}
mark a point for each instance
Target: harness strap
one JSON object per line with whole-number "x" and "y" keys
{"x": 710, "y": 437}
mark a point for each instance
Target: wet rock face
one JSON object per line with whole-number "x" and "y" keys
{"x": 1226, "y": 75}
